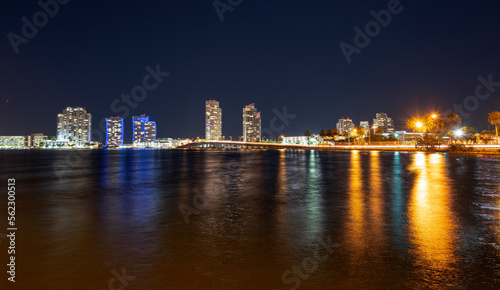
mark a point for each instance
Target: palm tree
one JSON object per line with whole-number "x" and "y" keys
{"x": 494, "y": 119}
{"x": 453, "y": 120}
{"x": 412, "y": 124}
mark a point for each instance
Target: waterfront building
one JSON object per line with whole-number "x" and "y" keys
{"x": 163, "y": 143}
{"x": 74, "y": 126}
{"x": 251, "y": 124}
{"x": 314, "y": 139}
{"x": 366, "y": 125}
{"x": 345, "y": 125}
{"x": 213, "y": 120}
{"x": 384, "y": 122}
{"x": 114, "y": 131}
{"x": 36, "y": 139}
{"x": 13, "y": 141}
{"x": 143, "y": 130}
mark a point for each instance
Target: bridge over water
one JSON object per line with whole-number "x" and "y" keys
{"x": 262, "y": 145}
{"x": 244, "y": 145}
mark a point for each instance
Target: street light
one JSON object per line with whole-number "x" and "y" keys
{"x": 459, "y": 133}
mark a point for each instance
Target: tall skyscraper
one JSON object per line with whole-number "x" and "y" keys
{"x": 366, "y": 125}
{"x": 345, "y": 125}
{"x": 251, "y": 124}
{"x": 143, "y": 130}
{"x": 114, "y": 131}
{"x": 213, "y": 120}
{"x": 74, "y": 125}
{"x": 383, "y": 122}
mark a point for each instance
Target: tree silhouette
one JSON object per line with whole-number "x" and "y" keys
{"x": 494, "y": 119}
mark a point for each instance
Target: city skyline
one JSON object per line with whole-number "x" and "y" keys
{"x": 403, "y": 71}
{"x": 231, "y": 144}
{"x": 146, "y": 130}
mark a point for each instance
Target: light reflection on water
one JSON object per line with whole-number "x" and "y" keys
{"x": 432, "y": 224}
{"x": 398, "y": 220}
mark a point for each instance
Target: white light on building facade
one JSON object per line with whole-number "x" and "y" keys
{"x": 114, "y": 131}
{"x": 74, "y": 125}
{"x": 213, "y": 120}
{"x": 251, "y": 124}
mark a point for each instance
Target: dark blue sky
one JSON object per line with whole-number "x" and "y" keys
{"x": 271, "y": 53}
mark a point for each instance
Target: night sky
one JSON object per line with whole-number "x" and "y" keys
{"x": 271, "y": 53}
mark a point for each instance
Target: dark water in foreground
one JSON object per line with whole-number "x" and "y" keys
{"x": 257, "y": 220}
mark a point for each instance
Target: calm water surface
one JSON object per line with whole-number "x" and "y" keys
{"x": 254, "y": 219}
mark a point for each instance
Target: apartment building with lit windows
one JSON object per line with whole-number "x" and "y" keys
{"x": 114, "y": 131}
{"x": 213, "y": 120}
{"x": 74, "y": 126}
{"x": 251, "y": 124}
{"x": 143, "y": 130}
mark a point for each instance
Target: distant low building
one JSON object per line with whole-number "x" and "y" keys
{"x": 164, "y": 143}
{"x": 405, "y": 135}
{"x": 55, "y": 144}
{"x": 303, "y": 140}
{"x": 13, "y": 141}
{"x": 37, "y": 139}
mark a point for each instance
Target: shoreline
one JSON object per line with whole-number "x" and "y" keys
{"x": 475, "y": 151}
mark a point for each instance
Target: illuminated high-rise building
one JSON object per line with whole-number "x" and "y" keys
{"x": 366, "y": 125}
{"x": 213, "y": 120}
{"x": 251, "y": 124}
{"x": 383, "y": 122}
{"x": 74, "y": 125}
{"x": 143, "y": 130}
{"x": 114, "y": 131}
{"x": 345, "y": 125}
